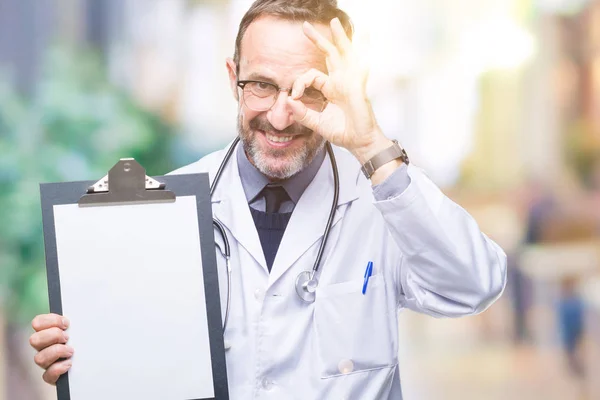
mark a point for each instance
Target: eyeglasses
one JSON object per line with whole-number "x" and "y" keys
{"x": 261, "y": 96}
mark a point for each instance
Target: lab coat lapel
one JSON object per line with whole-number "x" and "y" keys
{"x": 310, "y": 215}
{"x": 231, "y": 208}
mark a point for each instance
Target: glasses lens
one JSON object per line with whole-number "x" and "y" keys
{"x": 259, "y": 96}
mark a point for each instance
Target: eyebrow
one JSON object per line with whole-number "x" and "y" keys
{"x": 255, "y": 76}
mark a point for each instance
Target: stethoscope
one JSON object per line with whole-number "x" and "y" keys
{"x": 306, "y": 282}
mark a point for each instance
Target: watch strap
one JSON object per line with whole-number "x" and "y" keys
{"x": 393, "y": 152}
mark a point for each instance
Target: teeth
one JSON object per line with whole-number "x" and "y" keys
{"x": 279, "y": 139}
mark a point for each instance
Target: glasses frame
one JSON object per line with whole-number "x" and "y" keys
{"x": 242, "y": 84}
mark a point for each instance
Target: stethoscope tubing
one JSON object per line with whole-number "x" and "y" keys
{"x": 336, "y": 195}
{"x": 221, "y": 228}
{"x": 227, "y": 253}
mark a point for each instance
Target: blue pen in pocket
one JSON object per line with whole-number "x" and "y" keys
{"x": 368, "y": 273}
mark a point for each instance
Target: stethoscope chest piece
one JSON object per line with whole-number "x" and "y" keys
{"x": 306, "y": 286}
{"x": 306, "y": 283}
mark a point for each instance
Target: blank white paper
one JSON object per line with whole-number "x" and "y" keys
{"x": 132, "y": 286}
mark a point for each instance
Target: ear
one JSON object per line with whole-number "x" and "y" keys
{"x": 231, "y": 71}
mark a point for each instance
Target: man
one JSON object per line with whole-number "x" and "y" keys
{"x": 299, "y": 84}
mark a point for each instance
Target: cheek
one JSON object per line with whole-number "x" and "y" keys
{"x": 247, "y": 115}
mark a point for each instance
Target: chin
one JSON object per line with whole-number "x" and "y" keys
{"x": 276, "y": 163}
{"x": 278, "y": 168}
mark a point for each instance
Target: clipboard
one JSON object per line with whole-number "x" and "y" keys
{"x": 131, "y": 262}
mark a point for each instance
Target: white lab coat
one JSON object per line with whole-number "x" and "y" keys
{"x": 428, "y": 255}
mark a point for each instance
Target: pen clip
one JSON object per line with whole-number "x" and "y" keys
{"x": 368, "y": 273}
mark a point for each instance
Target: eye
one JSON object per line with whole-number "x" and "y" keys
{"x": 313, "y": 94}
{"x": 263, "y": 85}
{"x": 261, "y": 89}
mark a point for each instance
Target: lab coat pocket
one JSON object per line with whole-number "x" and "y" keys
{"x": 353, "y": 331}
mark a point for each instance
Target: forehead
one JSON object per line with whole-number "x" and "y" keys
{"x": 278, "y": 49}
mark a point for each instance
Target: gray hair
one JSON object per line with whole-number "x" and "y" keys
{"x": 313, "y": 11}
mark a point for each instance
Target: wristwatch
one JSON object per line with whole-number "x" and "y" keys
{"x": 385, "y": 156}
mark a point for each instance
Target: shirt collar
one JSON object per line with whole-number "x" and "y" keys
{"x": 253, "y": 181}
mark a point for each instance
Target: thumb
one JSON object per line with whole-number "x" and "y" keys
{"x": 304, "y": 115}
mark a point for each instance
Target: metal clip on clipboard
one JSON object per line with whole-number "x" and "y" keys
{"x": 126, "y": 183}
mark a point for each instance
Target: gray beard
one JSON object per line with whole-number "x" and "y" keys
{"x": 296, "y": 161}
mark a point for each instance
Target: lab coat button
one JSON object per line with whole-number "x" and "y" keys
{"x": 346, "y": 366}
{"x": 227, "y": 344}
{"x": 259, "y": 294}
{"x": 267, "y": 384}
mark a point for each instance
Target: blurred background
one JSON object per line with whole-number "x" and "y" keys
{"x": 499, "y": 100}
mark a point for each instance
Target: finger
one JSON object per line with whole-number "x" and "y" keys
{"x": 321, "y": 42}
{"x": 51, "y": 354}
{"x": 42, "y": 339}
{"x": 340, "y": 38}
{"x": 312, "y": 77}
{"x": 304, "y": 115}
{"x": 45, "y": 321}
{"x": 54, "y": 372}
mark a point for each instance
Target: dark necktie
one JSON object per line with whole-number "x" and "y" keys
{"x": 274, "y": 197}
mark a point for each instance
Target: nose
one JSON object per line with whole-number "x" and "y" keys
{"x": 280, "y": 115}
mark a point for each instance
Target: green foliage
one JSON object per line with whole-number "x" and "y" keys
{"x": 75, "y": 127}
{"x": 582, "y": 148}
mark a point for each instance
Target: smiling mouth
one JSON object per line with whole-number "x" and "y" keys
{"x": 278, "y": 138}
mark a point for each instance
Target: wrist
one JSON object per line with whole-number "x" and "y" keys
{"x": 381, "y": 158}
{"x": 383, "y": 172}
{"x": 373, "y": 147}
